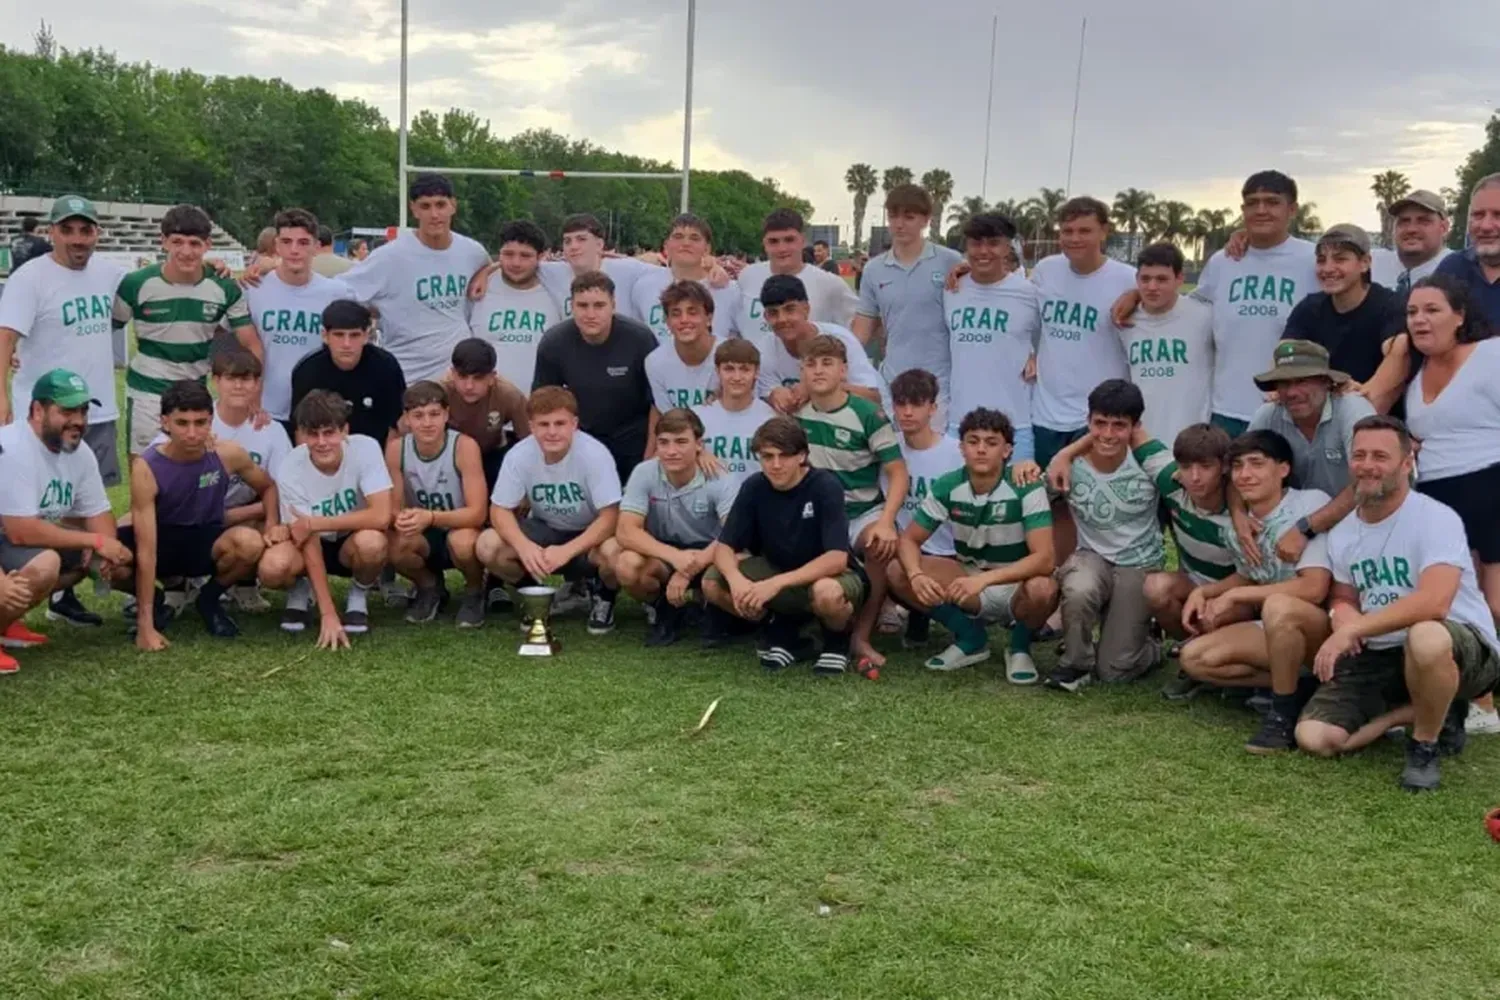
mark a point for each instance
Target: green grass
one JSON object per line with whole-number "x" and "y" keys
{"x": 429, "y": 815}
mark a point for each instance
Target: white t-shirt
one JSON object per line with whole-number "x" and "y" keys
{"x": 1460, "y": 429}
{"x": 1385, "y": 562}
{"x": 1116, "y": 511}
{"x": 673, "y": 383}
{"x": 779, "y": 368}
{"x": 924, "y": 467}
{"x": 266, "y": 448}
{"x": 422, "y": 297}
{"x": 1386, "y": 267}
{"x": 1252, "y": 298}
{"x": 1080, "y": 345}
{"x": 992, "y": 330}
{"x": 566, "y": 495}
{"x": 1294, "y": 504}
{"x": 513, "y": 320}
{"x": 727, "y": 435}
{"x": 63, "y": 317}
{"x": 35, "y": 482}
{"x": 307, "y": 490}
{"x": 646, "y": 302}
{"x": 290, "y": 321}
{"x": 558, "y": 276}
{"x": 1171, "y": 359}
{"x": 829, "y": 297}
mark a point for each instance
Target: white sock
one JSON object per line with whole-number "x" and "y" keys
{"x": 300, "y": 596}
{"x": 358, "y": 598}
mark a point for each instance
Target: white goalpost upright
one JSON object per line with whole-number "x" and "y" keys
{"x": 405, "y": 166}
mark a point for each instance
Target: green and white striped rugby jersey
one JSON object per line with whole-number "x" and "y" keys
{"x": 989, "y": 530}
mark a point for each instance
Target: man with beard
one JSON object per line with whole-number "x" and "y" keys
{"x": 1479, "y": 266}
{"x": 516, "y": 309}
{"x": 1413, "y": 639}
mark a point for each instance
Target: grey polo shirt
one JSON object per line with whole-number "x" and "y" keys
{"x": 689, "y": 515}
{"x": 909, "y": 302}
{"x": 1323, "y": 462}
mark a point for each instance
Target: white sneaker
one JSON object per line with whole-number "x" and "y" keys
{"x": 1482, "y": 723}
{"x": 892, "y": 619}
{"x": 573, "y": 598}
{"x": 395, "y": 593}
{"x": 247, "y": 597}
{"x": 1020, "y": 668}
{"x": 954, "y": 658}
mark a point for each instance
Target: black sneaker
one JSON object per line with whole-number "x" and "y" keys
{"x": 1069, "y": 679}
{"x": 66, "y": 607}
{"x": 1182, "y": 688}
{"x": 1422, "y": 772}
{"x": 162, "y": 615}
{"x": 294, "y": 619}
{"x": 718, "y": 630}
{"x": 356, "y": 622}
{"x": 1277, "y": 734}
{"x": 1453, "y": 736}
{"x": 779, "y": 644}
{"x": 918, "y": 630}
{"x": 215, "y": 618}
{"x": 834, "y": 659}
{"x": 601, "y": 611}
{"x": 1260, "y": 701}
{"x": 666, "y": 625}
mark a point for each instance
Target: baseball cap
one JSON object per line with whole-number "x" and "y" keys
{"x": 65, "y": 388}
{"x": 1347, "y": 232}
{"x": 1422, "y": 199}
{"x": 73, "y": 206}
{"x": 1296, "y": 359}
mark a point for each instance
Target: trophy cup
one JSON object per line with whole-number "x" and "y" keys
{"x": 536, "y": 606}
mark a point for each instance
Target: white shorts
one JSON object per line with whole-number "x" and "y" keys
{"x": 142, "y": 420}
{"x": 859, "y": 524}
{"x": 995, "y": 604}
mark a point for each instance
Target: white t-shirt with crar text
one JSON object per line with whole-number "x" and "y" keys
{"x": 513, "y": 321}
{"x": 1171, "y": 359}
{"x": 305, "y": 489}
{"x": 566, "y": 495}
{"x": 289, "y": 319}
{"x": 1080, "y": 345}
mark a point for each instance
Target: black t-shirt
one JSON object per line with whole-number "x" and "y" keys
{"x": 609, "y": 379}
{"x": 789, "y": 528}
{"x": 1353, "y": 338}
{"x": 373, "y": 387}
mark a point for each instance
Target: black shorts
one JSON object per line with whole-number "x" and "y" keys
{"x": 492, "y": 460}
{"x": 1470, "y": 496}
{"x": 438, "y": 559}
{"x": 543, "y": 534}
{"x": 331, "y": 564}
{"x": 181, "y": 550}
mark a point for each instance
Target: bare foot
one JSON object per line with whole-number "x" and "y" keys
{"x": 859, "y": 649}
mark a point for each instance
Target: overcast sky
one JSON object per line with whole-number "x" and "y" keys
{"x": 1183, "y": 99}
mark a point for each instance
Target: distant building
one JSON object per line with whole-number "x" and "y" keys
{"x": 828, "y": 234}
{"x": 880, "y": 239}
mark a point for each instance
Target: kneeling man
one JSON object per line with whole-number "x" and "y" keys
{"x": 438, "y": 475}
{"x": 1413, "y": 640}
{"x": 789, "y": 520}
{"x": 570, "y": 481}
{"x": 177, "y": 515}
{"x": 669, "y": 521}
{"x": 1002, "y": 537}
{"x": 335, "y": 494}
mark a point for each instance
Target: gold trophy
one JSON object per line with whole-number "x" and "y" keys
{"x": 536, "y": 607}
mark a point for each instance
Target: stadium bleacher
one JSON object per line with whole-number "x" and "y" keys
{"x": 124, "y": 227}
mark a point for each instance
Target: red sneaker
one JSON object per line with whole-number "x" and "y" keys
{"x": 8, "y": 664}
{"x": 18, "y": 636}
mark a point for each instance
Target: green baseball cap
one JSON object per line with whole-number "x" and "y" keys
{"x": 1296, "y": 359}
{"x": 66, "y": 389}
{"x": 73, "y": 206}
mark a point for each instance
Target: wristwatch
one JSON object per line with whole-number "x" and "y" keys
{"x": 1305, "y": 526}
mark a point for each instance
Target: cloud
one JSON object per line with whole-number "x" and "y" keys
{"x": 1185, "y": 102}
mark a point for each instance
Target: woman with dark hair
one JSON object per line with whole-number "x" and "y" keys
{"x": 1449, "y": 363}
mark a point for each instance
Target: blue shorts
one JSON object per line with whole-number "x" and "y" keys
{"x": 1025, "y": 447}
{"x": 1049, "y": 442}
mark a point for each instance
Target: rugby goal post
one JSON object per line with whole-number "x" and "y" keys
{"x": 406, "y": 167}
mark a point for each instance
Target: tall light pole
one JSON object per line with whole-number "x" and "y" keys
{"x": 687, "y": 103}
{"x": 1077, "y": 89}
{"x": 989, "y": 109}
{"x": 401, "y": 159}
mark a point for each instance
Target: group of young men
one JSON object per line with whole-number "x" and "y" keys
{"x": 723, "y": 449}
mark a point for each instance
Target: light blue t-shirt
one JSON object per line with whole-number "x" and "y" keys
{"x": 909, "y": 303}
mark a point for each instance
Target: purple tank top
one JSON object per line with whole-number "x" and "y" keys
{"x": 188, "y": 494}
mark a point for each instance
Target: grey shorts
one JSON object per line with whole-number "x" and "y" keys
{"x": 995, "y": 604}
{"x": 103, "y": 440}
{"x": 543, "y": 534}
{"x": 16, "y": 557}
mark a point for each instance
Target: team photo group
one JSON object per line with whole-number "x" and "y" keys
{"x": 1274, "y": 481}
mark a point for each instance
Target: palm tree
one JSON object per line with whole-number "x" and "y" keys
{"x": 938, "y": 184}
{"x": 965, "y": 210}
{"x": 1040, "y": 213}
{"x": 860, "y": 181}
{"x": 1306, "y": 221}
{"x": 1013, "y": 210}
{"x": 1198, "y": 231}
{"x": 1389, "y": 187}
{"x": 1215, "y": 226}
{"x": 894, "y": 176}
{"x": 1131, "y": 208}
{"x": 1171, "y": 220}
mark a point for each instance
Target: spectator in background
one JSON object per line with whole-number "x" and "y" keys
{"x": 823, "y": 257}
{"x": 359, "y": 250}
{"x": 326, "y": 262}
{"x": 28, "y": 244}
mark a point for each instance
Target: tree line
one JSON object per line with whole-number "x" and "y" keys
{"x": 244, "y": 148}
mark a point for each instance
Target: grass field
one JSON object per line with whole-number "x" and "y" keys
{"x": 431, "y": 816}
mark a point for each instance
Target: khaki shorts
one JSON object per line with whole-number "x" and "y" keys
{"x": 142, "y": 420}
{"x": 1373, "y": 681}
{"x": 797, "y": 600}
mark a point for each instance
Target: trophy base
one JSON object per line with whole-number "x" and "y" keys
{"x": 539, "y": 648}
